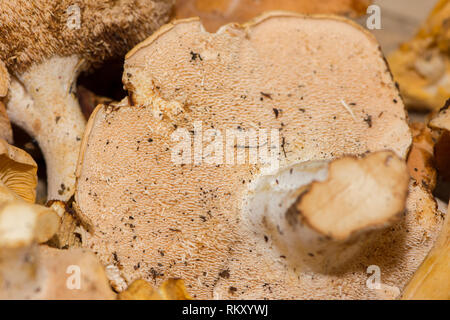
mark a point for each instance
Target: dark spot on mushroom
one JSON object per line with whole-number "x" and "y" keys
{"x": 266, "y": 95}
{"x": 232, "y": 290}
{"x": 368, "y": 120}
{"x": 224, "y": 274}
{"x": 195, "y": 56}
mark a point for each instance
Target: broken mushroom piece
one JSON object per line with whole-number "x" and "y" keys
{"x": 320, "y": 214}
{"x": 172, "y": 289}
{"x": 422, "y": 65}
{"x": 30, "y": 271}
{"x": 220, "y": 12}
{"x": 45, "y": 66}
{"x": 164, "y": 194}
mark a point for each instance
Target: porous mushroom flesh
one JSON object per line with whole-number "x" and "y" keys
{"x": 313, "y": 88}
{"x": 45, "y": 66}
{"x": 215, "y": 13}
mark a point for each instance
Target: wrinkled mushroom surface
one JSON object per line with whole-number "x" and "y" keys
{"x": 320, "y": 82}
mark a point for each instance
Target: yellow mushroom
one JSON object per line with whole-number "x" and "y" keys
{"x": 171, "y": 289}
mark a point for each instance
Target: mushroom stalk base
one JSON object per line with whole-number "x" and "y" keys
{"x": 43, "y": 102}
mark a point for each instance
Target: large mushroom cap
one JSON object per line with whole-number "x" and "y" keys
{"x": 46, "y": 44}
{"x": 18, "y": 172}
{"x": 107, "y": 28}
{"x": 320, "y": 87}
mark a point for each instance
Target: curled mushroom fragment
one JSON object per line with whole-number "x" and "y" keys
{"x": 45, "y": 66}
{"x": 422, "y": 65}
{"x": 172, "y": 289}
{"x": 220, "y": 12}
{"x": 18, "y": 174}
{"x": 163, "y": 201}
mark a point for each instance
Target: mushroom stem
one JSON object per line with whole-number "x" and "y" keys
{"x": 42, "y": 101}
{"x": 317, "y": 213}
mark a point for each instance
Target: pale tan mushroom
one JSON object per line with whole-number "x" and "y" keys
{"x": 422, "y": 65}
{"x": 30, "y": 271}
{"x": 45, "y": 65}
{"x": 318, "y": 82}
{"x": 215, "y": 13}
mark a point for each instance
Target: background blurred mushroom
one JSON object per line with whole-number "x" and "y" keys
{"x": 172, "y": 289}
{"x": 30, "y": 271}
{"x": 60, "y": 39}
{"x": 422, "y": 65}
{"x": 216, "y": 13}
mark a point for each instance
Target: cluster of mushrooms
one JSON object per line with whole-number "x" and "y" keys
{"x": 353, "y": 190}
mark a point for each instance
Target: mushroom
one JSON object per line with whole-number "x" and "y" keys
{"x": 162, "y": 203}
{"x": 46, "y": 44}
{"x": 172, "y": 289}
{"x": 421, "y": 158}
{"x": 18, "y": 174}
{"x": 5, "y": 125}
{"x": 219, "y": 12}
{"x": 29, "y": 271}
{"x": 422, "y": 65}
{"x": 432, "y": 280}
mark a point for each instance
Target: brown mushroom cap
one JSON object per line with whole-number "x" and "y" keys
{"x": 5, "y": 125}
{"x": 107, "y": 29}
{"x": 157, "y": 220}
{"x": 4, "y": 80}
{"x": 215, "y": 13}
{"x": 18, "y": 173}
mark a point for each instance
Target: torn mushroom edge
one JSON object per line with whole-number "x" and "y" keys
{"x": 375, "y": 225}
